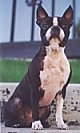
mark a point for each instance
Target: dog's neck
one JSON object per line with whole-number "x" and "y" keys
{"x": 55, "y": 54}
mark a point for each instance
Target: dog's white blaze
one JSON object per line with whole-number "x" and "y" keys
{"x": 55, "y": 21}
{"x": 54, "y": 75}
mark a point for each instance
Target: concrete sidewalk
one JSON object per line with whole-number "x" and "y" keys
{"x": 71, "y": 111}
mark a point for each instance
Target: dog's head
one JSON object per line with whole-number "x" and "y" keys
{"x": 54, "y": 29}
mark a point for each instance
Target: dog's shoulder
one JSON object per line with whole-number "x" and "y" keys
{"x": 37, "y": 62}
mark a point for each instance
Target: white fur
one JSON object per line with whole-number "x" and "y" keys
{"x": 36, "y": 125}
{"x": 59, "y": 119}
{"x": 48, "y": 34}
{"x": 55, "y": 21}
{"x": 62, "y": 34}
{"x": 54, "y": 45}
{"x": 54, "y": 74}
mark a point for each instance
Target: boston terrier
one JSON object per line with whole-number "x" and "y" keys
{"x": 47, "y": 78}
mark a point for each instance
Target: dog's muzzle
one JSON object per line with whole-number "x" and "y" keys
{"x": 55, "y": 32}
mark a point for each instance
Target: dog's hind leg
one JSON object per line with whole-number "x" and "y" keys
{"x": 12, "y": 111}
{"x": 44, "y": 113}
{"x": 26, "y": 119}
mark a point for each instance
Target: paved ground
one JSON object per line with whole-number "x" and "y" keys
{"x": 71, "y": 111}
{"x": 28, "y": 130}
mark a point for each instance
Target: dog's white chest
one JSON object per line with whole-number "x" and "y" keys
{"x": 54, "y": 75}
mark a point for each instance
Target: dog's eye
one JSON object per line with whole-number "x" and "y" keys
{"x": 45, "y": 26}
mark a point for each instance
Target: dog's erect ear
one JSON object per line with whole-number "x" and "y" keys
{"x": 41, "y": 14}
{"x": 68, "y": 15}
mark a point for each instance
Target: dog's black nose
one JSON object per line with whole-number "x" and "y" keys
{"x": 55, "y": 31}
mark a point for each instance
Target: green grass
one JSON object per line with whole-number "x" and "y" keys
{"x": 75, "y": 65}
{"x": 14, "y": 70}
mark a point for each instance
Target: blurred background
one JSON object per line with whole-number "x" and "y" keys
{"x": 18, "y": 18}
{"x": 20, "y": 37}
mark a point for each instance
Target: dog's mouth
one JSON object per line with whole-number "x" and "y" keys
{"x": 56, "y": 34}
{"x": 52, "y": 40}
{"x": 55, "y": 39}
{"x": 53, "y": 45}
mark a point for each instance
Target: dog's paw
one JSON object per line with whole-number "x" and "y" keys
{"x": 36, "y": 125}
{"x": 62, "y": 125}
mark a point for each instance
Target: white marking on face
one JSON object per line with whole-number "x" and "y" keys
{"x": 48, "y": 34}
{"x": 55, "y": 21}
{"x": 62, "y": 34}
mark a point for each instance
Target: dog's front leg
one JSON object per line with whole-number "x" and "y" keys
{"x": 59, "y": 118}
{"x": 36, "y": 123}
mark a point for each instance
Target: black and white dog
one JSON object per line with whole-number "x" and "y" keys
{"x": 47, "y": 78}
